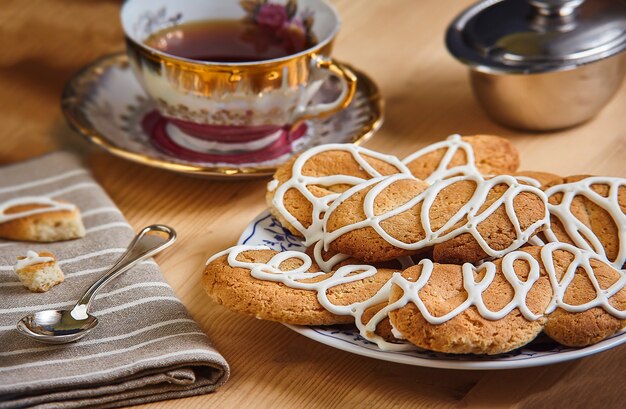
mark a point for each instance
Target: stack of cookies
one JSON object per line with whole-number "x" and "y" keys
{"x": 451, "y": 249}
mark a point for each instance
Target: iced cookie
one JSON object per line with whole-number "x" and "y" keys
{"x": 587, "y": 285}
{"x": 467, "y": 155}
{"x": 465, "y": 218}
{"x": 467, "y": 332}
{"x": 40, "y": 219}
{"x": 283, "y": 286}
{"x": 590, "y": 213}
{"x": 38, "y": 272}
{"x": 302, "y": 188}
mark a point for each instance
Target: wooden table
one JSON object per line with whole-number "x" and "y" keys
{"x": 400, "y": 44}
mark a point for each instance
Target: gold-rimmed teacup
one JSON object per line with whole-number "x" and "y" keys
{"x": 242, "y": 103}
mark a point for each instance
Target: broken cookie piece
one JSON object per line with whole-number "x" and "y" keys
{"x": 40, "y": 219}
{"x": 38, "y": 272}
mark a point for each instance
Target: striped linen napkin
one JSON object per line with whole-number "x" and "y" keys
{"x": 145, "y": 348}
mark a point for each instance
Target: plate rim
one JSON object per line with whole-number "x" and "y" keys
{"x": 76, "y": 90}
{"x": 553, "y": 358}
{"x": 401, "y": 358}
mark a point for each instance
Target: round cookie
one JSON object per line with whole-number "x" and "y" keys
{"x": 469, "y": 332}
{"x": 493, "y": 155}
{"x": 596, "y": 210}
{"x": 322, "y": 173}
{"x": 365, "y": 243}
{"x": 237, "y": 289}
{"x": 497, "y": 229}
{"x": 579, "y": 329}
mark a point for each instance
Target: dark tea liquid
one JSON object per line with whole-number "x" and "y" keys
{"x": 226, "y": 41}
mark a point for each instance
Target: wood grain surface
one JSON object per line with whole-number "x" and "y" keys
{"x": 400, "y": 44}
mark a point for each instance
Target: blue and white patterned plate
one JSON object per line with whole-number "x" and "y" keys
{"x": 265, "y": 230}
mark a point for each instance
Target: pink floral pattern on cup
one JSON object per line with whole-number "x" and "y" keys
{"x": 282, "y": 22}
{"x": 271, "y": 15}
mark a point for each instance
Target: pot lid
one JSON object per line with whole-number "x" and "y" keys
{"x": 529, "y": 36}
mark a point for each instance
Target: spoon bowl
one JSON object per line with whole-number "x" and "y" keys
{"x": 56, "y": 326}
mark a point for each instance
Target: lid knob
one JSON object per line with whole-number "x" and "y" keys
{"x": 555, "y": 7}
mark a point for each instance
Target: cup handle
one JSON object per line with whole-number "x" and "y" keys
{"x": 348, "y": 88}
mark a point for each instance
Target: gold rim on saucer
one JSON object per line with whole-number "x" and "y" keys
{"x": 77, "y": 92}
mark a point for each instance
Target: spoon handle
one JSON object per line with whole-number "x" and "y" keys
{"x": 148, "y": 242}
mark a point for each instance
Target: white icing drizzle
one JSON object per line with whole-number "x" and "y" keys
{"x": 394, "y": 331}
{"x": 272, "y": 185}
{"x": 50, "y": 206}
{"x": 529, "y": 181}
{"x": 32, "y": 258}
{"x": 581, "y": 235}
{"x": 79, "y": 312}
{"x": 467, "y": 213}
{"x": 327, "y": 265}
{"x": 270, "y": 271}
{"x": 452, "y": 145}
{"x": 300, "y": 182}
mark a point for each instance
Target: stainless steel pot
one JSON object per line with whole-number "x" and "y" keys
{"x": 542, "y": 64}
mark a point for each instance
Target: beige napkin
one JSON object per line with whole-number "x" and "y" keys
{"x": 146, "y": 347}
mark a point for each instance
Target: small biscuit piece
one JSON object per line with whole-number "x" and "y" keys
{"x": 38, "y": 272}
{"x": 467, "y": 218}
{"x": 41, "y": 226}
{"x": 493, "y": 155}
{"x": 238, "y": 290}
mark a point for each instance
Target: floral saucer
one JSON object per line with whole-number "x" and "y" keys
{"x": 106, "y": 104}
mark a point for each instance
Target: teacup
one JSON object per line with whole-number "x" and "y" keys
{"x": 241, "y": 102}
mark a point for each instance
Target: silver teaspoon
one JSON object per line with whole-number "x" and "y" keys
{"x": 62, "y": 326}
